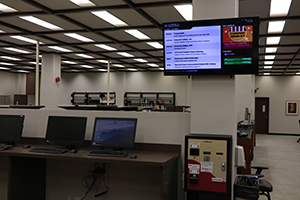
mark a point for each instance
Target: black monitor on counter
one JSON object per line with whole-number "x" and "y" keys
{"x": 115, "y": 133}
{"x": 67, "y": 131}
{"x": 211, "y": 47}
{"x": 11, "y": 128}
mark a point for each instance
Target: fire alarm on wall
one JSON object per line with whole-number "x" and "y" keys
{"x": 57, "y": 79}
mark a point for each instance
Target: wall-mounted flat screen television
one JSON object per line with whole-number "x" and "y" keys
{"x": 211, "y": 47}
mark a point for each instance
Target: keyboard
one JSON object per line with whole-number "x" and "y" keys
{"x": 108, "y": 153}
{"x": 48, "y": 150}
{"x": 5, "y": 146}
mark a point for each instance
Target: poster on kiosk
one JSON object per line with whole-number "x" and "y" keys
{"x": 208, "y": 166}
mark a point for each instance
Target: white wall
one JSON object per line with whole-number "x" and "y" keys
{"x": 279, "y": 90}
{"x": 12, "y": 83}
{"x": 121, "y": 82}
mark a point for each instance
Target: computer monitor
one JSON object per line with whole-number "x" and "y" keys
{"x": 68, "y": 131}
{"x": 11, "y": 127}
{"x": 116, "y": 133}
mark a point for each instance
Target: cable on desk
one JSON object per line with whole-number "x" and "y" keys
{"x": 92, "y": 182}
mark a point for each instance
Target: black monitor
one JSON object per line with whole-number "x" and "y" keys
{"x": 11, "y": 127}
{"x": 116, "y": 133}
{"x": 68, "y": 131}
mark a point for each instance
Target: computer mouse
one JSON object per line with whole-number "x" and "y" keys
{"x": 133, "y": 156}
{"x": 73, "y": 151}
{"x": 26, "y": 146}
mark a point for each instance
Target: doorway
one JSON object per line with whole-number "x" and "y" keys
{"x": 262, "y": 115}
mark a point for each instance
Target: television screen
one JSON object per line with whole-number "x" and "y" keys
{"x": 116, "y": 133}
{"x": 11, "y": 127}
{"x": 66, "y": 130}
{"x": 211, "y": 47}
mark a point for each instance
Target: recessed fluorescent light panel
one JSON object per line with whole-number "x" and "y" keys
{"x": 280, "y": 7}
{"x": 3, "y": 63}
{"x": 271, "y": 50}
{"x": 40, "y": 22}
{"x": 5, "y": 68}
{"x": 25, "y": 39}
{"x": 140, "y": 60}
{"x": 273, "y": 40}
{"x": 155, "y": 45}
{"x": 161, "y": 68}
{"x": 16, "y": 50}
{"x": 270, "y": 57}
{"x": 83, "y": 3}
{"x": 118, "y": 65}
{"x": 131, "y": 69}
{"x": 106, "y": 16}
{"x": 269, "y": 62}
{"x": 2, "y": 31}
{"x": 84, "y": 55}
{"x": 69, "y": 62}
{"x": 153, "y": 65}
{"x": 186, "y": 11}
{"x": 267, "y": 67}
{"x": 22, "y": 71}
{"x": 5, "y": 8}
{"x": 125, "y": 54}
{"x": 78, "y": 37}
{"x": 137, "y": 34}
{"x": 102, "y": 70}
{"x": 103, "y": 61}
{"x": 86, "y": 66}
{"x": 267, "y": 74}
{"x": 9, "y": 58}
{"x": 276, "y": 27}
{"x": 106, "y": 47}
{"x": 59, "y": 48}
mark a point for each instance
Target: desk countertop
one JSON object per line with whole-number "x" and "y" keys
{"x": 144, "y": 157}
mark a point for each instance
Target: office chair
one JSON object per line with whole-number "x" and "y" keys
{"x": 265, "y": 187}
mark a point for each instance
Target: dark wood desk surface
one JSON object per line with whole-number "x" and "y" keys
{"x": 144, "y": 157}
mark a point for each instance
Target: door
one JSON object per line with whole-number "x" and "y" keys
{"x": 262, "y": 115}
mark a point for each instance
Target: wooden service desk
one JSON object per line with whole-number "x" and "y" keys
{"x": 27, "y": 170}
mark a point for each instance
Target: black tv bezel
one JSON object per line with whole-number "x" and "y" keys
{"x": 225, "y": 69}
{"x": 112, "y": 145}
{"x": 18, "y": 137}
{"x": 67, "y": 143}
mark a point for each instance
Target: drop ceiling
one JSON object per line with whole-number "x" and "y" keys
{"x": 144, "y": 15}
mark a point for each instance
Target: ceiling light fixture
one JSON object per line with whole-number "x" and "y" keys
{"x": 137, "y": 34}
{"x": 78, "y": 37}
{"x": 125, "y": 54}
{"x": 40, "y": 22}
{"x": 155, "y": 45}
{"x": 4, "y": 63}
{"x": 22, "y": 71}
{"x": 87, "y": 66}
{"x": 16, "y": 50}
{"x": 103, "y": 61}
{"x": 106, "y": 16}
{"x": 5, "y": 8}
{"x": 269, "y": 62}
{"x": 102, "y": 70}
{"x": 267, "y": 74}
{"x": 276, "y": 27}
{"x": 118, "y": 65}
{"x": 69, "y": 62}
{"x": 280, "y": 7}
{"x": 140, "y": 60}
{"x": 271, "y": 50}
{"x": 9, "y": 58}
{"x": 84, "y": 55}
{"x": 5, "y": 68}
{"x": 131, "y": 69}
{"x": 25, "y": 39}
{"x": 153, "y": 65}
{"x": 59, "y": 48}
{"x": 186, "y": 11}
{"x": 106, "y": 47}
{"x": 83, "y": 3}
{"x": 273, "y": 40}
{"x": 270, "y": 57}
{"x": 267, "y": 67}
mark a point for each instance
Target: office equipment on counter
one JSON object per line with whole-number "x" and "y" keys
{"x": 208, "y": 161}
{"x": 67, "y": 131}
{"x": 108, "y": 153}
{"x": 114, "y": 133}
{"x": 48, "y": 150}
{"x": 11, "y": 128}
